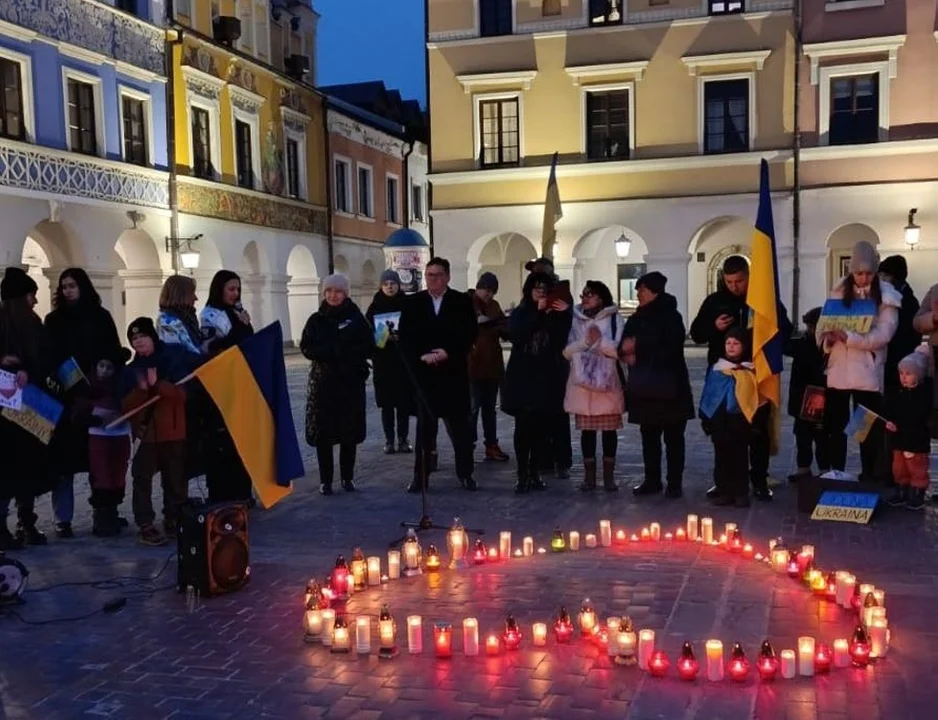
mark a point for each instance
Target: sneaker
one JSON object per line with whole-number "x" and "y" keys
{"x": 63, "y": 530}
{"x": 898, "y": 497}
{"x": 763, "y": 494}
{"x": 404, "y": 446}
{"x": 348, "y": 486}
{"x": 325, "y": 489}
{"x": 916, "y": 499}
{"x": 389, "y": 448}
{"x": 151, "y": 535}
{"x": 495, "y": 454}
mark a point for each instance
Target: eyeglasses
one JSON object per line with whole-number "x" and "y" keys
{"x": 587, "y": 294}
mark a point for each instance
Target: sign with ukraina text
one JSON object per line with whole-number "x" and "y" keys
{"x": 857, "y": 318}
{"x": 38, "y": 414}
{"x": 845, "y": 507}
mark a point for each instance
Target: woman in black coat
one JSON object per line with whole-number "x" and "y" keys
{"x": 80, "y": 328}
{"x": 338, "y": 341}
{"x": 658, "y": 395}
{"x": 536, "y": 376}
{"x": 394, "y": 392}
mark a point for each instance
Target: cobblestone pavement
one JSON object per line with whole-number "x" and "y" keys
{"x": 242, "y": 655}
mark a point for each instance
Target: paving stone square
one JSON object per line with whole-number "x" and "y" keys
{"x": 243, "y": 656}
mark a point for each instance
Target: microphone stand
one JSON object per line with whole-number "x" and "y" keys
{"x": 423, "y": 476}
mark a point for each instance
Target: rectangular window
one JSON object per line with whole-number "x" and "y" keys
{"x": 11, "y": 100}
{"x": 393, "y": 201}
{"x": 365, "y": 204}
{"x": 201, "y": 144}
{"x": 854, "y": 110}
{"x": 726, "y": 116}
{"x": 81, "y": 120}
{"x": 293, "y": 168}
{"x": 135, "y": 130}
{"x": 605, "y": 12}
{"x": 127, "y": 5}
{"x": 184, "y": 7}
{"x": 343, "y": 194}
{"x": 244, "y": 156}
{"x": 500, "y": 132}
{"x": 726, "y": 7}
{"x": 416, "y": 202}
{"x": 494, "y": 17}
{"x": 607, "y": 125}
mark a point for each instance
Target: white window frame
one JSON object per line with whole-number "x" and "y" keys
{"x": 301, "y": 170}
{"x": 252, "y": 120}
{"x": 246, "y": 28}
{"x": 397, "y": 199}
{"x": 701, "y": 105}
{"x": 421, "y": 193}
{"x": 97, "y": 86}
{"x": 607, "y": 87}
{"x": 349, "y": 198}
{"x": 827, "y": 72}
{"x": 26, "y": 81}
{"x": 359, "y": 166}
{"x": 135, "y": 94}
{"x": 214, "y": 132}
{"x": 477, "y": 100}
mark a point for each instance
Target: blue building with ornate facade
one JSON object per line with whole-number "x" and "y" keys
{"x": 83, "y": 146}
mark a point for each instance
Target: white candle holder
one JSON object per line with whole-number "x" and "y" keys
{"x": 714, "y": 650}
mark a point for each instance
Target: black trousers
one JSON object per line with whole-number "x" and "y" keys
{"x": 760, "y": 449}
{"x": 530, "y": 428}
{"x": 226, "y": 479}
{"x": 730, "y": 464}
{"x": 326, "y": 461}
{"x": 557, "y": 442}
{"x": 673, "y": 436}
{"x": 484, "y": 400}
{"x": 460, "y": 435}
{"x": 837, "y": 411}
{"x": 388, "y": 416}
{"x": 811, "y": 446}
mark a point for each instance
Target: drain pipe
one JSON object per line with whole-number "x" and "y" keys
{"x": 172, "y": 36}
{"x": 796, "y": 172}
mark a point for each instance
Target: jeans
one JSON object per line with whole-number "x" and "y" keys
{"x": 63, "y": 499}
{"x": 484, "y": 398}
{"x": 324, "y": 456}
{"x": 674, "y": 452}
{"x": 388, "y": 416}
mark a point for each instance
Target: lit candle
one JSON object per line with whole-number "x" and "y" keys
{"x": 806, "y": 656}
{"x": 788, "y": 664}
{"x": 747, "y": 551}
{"x": 841, "y": 653}
{"x": 542, "y": 551}
{"x": 328, "y": 626}
{"x": 714, "y": 653}
{"x": 412, "y": 558}
{"x": 605, "y": 533}
{"x": 574, "y": 540}
{"x": 384, "y": 579}
{"x": 633, "y": 538}
{"x": 443, "y": 640}
{"x": 722, "y": 540}
{"x": 612, "y": 632}
{"x": 504, "y": 545}
{"x": 655, "y": 530}
{"x": 730, "y": 529}
{"x": 539, "y": 634}
{"x": 779, "y": 559}
{"x": 414, "y": 634}
{"x": 866, "y": 589}
{"x": 374, "y": 571}
{"x": 590, "y": 540}
{"x": 706, "y": 532}
{"x": 646, "y": 646}
{"x": 687, "y": 665}
{"x": 528, "y": 545}
{"x": 363, "y": 635}
{"x": 621, "y": 537}
{"x": 680, "y": 535}
{"x": 394, "y": 564}
{"x": 668, "y": 537}
{"x": 845, "y": 590}
{"x": 625, "y": 647}
{"x": 386, "y": 640}
{"x": 312, "y": 625}
{"x": 692, "y": 529}
{"x": 822, "y": 659}
{"x": 492, "y": 644}
{"x": 880, "y": 596}
{"x": 358, "y": 568}
{"x": 808, "y": 550}
{"x": 658, "y": 663}
{"x": 493, "y": 555}
{"x": 879, "y": 638}
{"x": 519, "y": 553}
{"x": 646, "y": 534}
{"x": 587, "y": 618}
{"x": 470, "y": 636}
{"x": 341, "y": 642}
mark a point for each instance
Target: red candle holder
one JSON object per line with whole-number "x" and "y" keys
{"x": 859, "y": 648}
{"x": 443, "y": 640}
{"x": 831, "y": 586}
{"x": 512, "y": 635}
{"x": 768, "y": 662}
{"x": 493, "y": 645}
{"x": 340, "y": 578}
{"x": 680, "y": 535}
{"x": 823, "y": 658}
{"x": 646, "y": 535}
{"x": 793, "y": 569}
{"x": 748, "y": 551}
{"x": 804, "y": 559}
{"x": 738, "y": 666}
{"x": 687, "y": 665}
{"x": 621, "y": 537}
{"x": 563, "y": 626}
{"x": 659, "y": 663}
{"x": 479, "y": 553}
{"x": 493, "y": 555}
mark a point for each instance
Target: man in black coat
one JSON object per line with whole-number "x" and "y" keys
{"x": 895, "y": 270}
{"x": 720, "y": 311}
{"x": 438, "y": 329}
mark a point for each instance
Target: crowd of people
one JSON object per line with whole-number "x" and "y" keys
{"x": 442, "y": 360}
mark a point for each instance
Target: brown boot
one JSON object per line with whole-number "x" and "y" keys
{"x": 609, "y": 467}
{"x": 589, "y": 475}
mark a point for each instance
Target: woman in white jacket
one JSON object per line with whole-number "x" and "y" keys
{"x": 855, "y": 362}
{"x": 594, "y": 387}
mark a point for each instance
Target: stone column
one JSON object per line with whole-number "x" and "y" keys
{"x": 279, "y": 306}
{"x": 254, "y": 297}
{"x": 302, "y": 301}
{"x": 141, "y": 295}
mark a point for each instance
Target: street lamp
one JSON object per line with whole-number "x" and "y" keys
{"x": 912, "y": 231}
{"x": 183, "y": 252}
{"x": 622, "y": 246}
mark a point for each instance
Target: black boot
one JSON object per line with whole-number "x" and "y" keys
{"x": 675, "y": 489}
{"x": 649, "y": 486}
{"x": 8, "y": 541}
{"x": 916, "y": 499}
{"x": 348, "y": 485}
{"x": 589, "y": 475}
{"x": 325, "y": 488}
{"x": 898, "y": 497}
{"x": 609, "y": 472}
{"x": 537, "y": 482}
{"x": 524, "y": 482}
{"x": 29, "y": 534}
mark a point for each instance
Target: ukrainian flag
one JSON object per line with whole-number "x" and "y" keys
{"x": 765, "y": 305}
{"x": 552, "y": 212}
{"x": 248, "y": 384}
{"x": 861, "y": 422}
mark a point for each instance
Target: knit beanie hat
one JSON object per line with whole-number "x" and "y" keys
{"x": 488, "y": 281}
{"x": 142, "y": 326}
{"x": 895, "y": 267}
{"x": 916, "y": 364}
{"x": 390, "y": 276}
{"x": 864, "y": 257}
{"x": 16, "y": 284}
{"x": 654, "y": 282}
{"x": 336, "y": 281}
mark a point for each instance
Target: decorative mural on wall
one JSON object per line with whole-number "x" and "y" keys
{"x": 229, "y": 204}
{"x": 92, "y": 26}
{"x": 272, "y": 162}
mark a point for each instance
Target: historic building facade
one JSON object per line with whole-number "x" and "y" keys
{"x": 660, "y": 113}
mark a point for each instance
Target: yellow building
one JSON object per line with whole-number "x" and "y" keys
{"x": 249, "y": 148}
{"x": 660, "y": 112}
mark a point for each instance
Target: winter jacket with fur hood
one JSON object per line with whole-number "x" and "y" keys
{"x": 580, "y": 400}
{"x": 858, "y": 364}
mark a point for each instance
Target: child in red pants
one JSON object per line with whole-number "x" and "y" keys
{"x": 907, "y": 413}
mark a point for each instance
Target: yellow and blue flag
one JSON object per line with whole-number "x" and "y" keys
{"x": 766, "y": 307}
{"x": 38, "y": 414}
{"x": 552, "y": 212}
{"x": 69, "y": 374}
{"x": 248, "y": 384}
{"x": 861, "y": 422}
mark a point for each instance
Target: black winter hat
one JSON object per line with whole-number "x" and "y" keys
{"x": 896, "y": 267}
{"x": 16, "y": 284}
{"x": 488, "y": 281}
{"x": 654, "y": 282}
{"x": 142, "y": 326}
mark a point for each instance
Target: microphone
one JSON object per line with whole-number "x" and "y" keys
{"x": 238, "y": 306}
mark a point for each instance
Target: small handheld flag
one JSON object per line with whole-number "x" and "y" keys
{"x": 861, "y": 422}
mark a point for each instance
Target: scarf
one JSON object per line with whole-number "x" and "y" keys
{"x": 180, "y": 326}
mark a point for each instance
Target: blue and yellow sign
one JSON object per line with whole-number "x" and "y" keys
{"x": 38, "y": 415}
{"x": 845, "y": 507}
{"x": 857, "y": 318}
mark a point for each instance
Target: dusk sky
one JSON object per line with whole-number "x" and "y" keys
{"x": 372, "y": 40}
